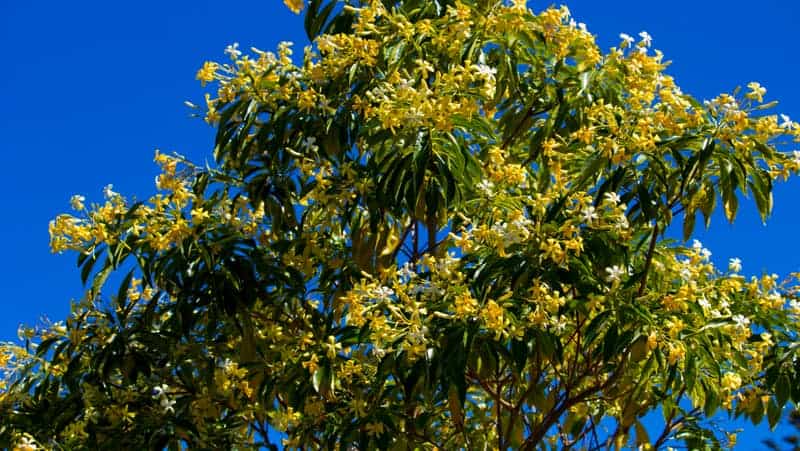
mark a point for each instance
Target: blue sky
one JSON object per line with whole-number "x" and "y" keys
{"x": 90, "y": 89}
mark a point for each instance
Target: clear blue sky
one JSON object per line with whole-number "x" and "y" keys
{"x": 91, "y": 88}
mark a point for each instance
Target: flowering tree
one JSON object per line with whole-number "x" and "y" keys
{"x": 444, "y": 229}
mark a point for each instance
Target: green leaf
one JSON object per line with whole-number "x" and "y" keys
{"x": 88, "y": 261}
{"x": 595, "y": 327}
{"x": 122, "y": 293}
{"x": 757, "y": 412}
{"x": 689, "y": 219}
{"x": 712, "y": 402}
{"x": 322, "y": 380}
{"x": 316, "y": 19}
{"x": 774, "y": 413}
{"x": 783, "y": 388}
{"x": 519, "y": 351}
{"x": 761, "y": 187}
{"x": 728, "y": 186}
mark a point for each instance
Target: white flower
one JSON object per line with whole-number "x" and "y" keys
{"x": 794, "y": 305}
{"x": 160, "y": 390}
{"x": 627, "y": 40}
{"x": 703, "y": 302}
{"x": 166, "y": 404}
{"x": 26, "y": 443}
{"x": 160, "y": 393}
{"x": 486, "y": 187}
{"x": 614, "y": 273}
{"x": 612, "y": 197}
{"x": 558, "y": 325}
{"x": 406, "y": 271}
{"x": 796, "y": 157}
{"x": 383, "y": 292}
{"x": 308, "y": 143}
{"x": 703, "y": 252}
{"x": 686, "y": 274}
{"x": 108, "y": 193}
{"x": 485, "y": 70}
{"x": 425, "y": 289}
{"x": 233, "y": 50}
{"x": 227, "y": 365}
{"x": 731, "y": 105}
{"x": 787, "y": 122}
{"x": 735, "y": 265}
{"x": 741, "y": 321}
{"x": 588, "y": 215}
{"x": 579, "y": 25}
{"x": 646, "y": 38}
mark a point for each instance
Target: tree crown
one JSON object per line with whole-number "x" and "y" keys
{"x": 443, "y": 229}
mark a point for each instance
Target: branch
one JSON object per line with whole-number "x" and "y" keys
{"x": 415, "y": 239}
{"x": 549, "y": 420}
{"x": 499, "y": 416}
{"x": 672, "y": 425}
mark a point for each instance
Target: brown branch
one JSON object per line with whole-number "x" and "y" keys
{"x": 550, "y": 419}
{"x": 488, "y": 389}
{"x": 499, "y": 422}
{"x": 670, "y": 427}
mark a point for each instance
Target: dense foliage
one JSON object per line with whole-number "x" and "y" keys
{"x": 444, "y": 229}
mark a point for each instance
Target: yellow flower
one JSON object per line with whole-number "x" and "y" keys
{"x": 311, "y": 364}
{"x": 332, "y": 348}
{"x": 676, "y": 352}
{"x": 295, "y": 5}
{"x": 465, "y": 305}
{"x": 207, "y": 72}
{"x": 199, "y": 215}
{"x": 652, "y": 341}
{"x": 493, "y": 316}
{"x": 77, "y": 202}
{"x": 374, "y": 428}
{"x": 756, "y": 91}
{"x": 731, "y": 381}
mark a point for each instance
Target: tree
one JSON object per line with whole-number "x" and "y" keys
{"x": 444, "y": 229}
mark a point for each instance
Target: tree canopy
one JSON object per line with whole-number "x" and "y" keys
{"x": 443, "y": 228}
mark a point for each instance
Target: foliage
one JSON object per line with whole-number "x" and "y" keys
{"x": 444, "y": 229}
